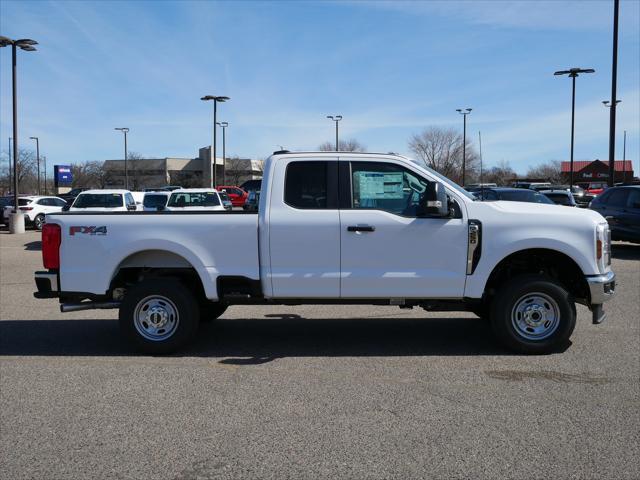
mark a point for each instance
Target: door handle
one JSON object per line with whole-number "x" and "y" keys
{"x": 361, "y": 228}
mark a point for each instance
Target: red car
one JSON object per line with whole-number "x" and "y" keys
{"x": 236, "y": 195}
{"x": 595, "y": 188}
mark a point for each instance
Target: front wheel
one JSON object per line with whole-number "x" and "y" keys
{"x": 533, "y": 314}
{"x": 159, "y": 316}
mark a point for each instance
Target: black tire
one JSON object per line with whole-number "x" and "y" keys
{"x": 544, "y": 303}
{"x": 38, "y": 222}
{"x": 164, "y": 296}
{"x": 209, "y": 311}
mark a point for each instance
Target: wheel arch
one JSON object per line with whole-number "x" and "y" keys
{"x": 544, "y": 261}
{"x": 159, "y": 262}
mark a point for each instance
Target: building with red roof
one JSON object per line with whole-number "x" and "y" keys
{"x": 598, "y": 171}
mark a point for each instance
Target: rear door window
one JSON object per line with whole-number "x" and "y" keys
{"x": 306, "y": 185}
{"x": 634, "y": 199}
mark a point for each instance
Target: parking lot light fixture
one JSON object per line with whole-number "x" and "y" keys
{"x": 16, "y": 223}
{"x": 573, "y": 74}
{"x": 335, "y": 118}
{"x": 464, "y": 112}
{"x": 125, "y": 130}
{"x": 213, "y": 173}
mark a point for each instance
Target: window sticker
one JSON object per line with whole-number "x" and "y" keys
{"x": 377, "y": 185}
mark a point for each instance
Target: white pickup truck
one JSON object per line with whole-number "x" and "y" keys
{"x": 336, "y": 228}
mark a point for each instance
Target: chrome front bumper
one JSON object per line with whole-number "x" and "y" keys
{"x": 602, "y": 287}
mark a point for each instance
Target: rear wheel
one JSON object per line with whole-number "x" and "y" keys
{"x": 159, "y": 316}
{"x": 533, "y": 314}
{"x": 38, "y": 222}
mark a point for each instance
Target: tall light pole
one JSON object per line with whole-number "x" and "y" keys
{"x": 37, "y": 159}
{"x": 215, "y": 99}
{"x": 336, "y": 118}
{"x": 224, "y": 126}
{"x": 624, "y": 158}
{"x": 16, "y": 224}
{"x": 573, "y": 74}
{"x": 614, "y": 77}
{"x": 10, "y": 167}
{"x": 464, "y": 112}
{"x": 607, "y": 103}
{"x": 125, "y": 130}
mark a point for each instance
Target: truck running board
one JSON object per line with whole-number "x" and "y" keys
{"x": 76, "y": 307}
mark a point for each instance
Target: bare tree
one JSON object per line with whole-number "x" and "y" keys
{"x": 500, "y": 174}
{"x": 349, "y": 145}
{"x": 27, "y": 172}
{"x": 441, "y": 149}
{"x": 550, "y": 171}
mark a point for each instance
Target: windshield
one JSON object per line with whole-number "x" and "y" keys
{"x": 194, "y": 199}
{"x": 522, "y": 195}
{"x": 98, "y": 200}
{"x": 449, "y": 183}
{"x": 155, "y": 201}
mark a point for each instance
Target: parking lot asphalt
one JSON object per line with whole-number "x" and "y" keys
{"x": 313, "y": 392}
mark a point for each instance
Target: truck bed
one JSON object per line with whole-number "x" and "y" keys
{"x": 95, "y": 245}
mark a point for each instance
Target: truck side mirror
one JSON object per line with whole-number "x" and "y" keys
{"x": 434, "y": 201}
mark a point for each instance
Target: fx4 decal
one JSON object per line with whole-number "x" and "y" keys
{"x": 83, "y": 230}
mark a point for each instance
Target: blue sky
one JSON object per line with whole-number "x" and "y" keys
{"x": 390, "y": 68}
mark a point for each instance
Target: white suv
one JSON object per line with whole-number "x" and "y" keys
{"x": 35, "y": 208}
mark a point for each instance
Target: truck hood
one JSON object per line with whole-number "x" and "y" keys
{"x": 539, "y": 213}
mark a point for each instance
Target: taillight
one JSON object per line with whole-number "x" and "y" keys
{"x": 25, "y": 209}
{"x": 51, "y": 238}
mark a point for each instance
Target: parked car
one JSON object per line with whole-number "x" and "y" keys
{"x": 226, "y": 201}
{"x": 71, "y": 195}
{"x": 155, "y": 200}
{"x": 560, "y": 197}
{"x": 393, "y": 233}
{"x": 621, "y": 207}
{"x": 236, "y": 195}
{"x": 253, "y": 200}
{"x": 580, "y": 196}
{"x": 594, "y": 188}
{"x": 512, "y": 195}
{"x": 104, "y": 201}
{"x": 194, "y": 199}
{"x": 35, "y": 208}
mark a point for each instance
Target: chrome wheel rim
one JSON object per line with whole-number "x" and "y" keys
{"x": 39, "y": 222}
{"x": 535, "y": 316}
{"x": 156, "y": 318}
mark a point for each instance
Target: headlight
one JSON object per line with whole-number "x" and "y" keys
{"x": 603, "y": 246}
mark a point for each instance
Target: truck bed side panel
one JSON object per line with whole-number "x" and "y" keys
{"x": 214, "y": 244}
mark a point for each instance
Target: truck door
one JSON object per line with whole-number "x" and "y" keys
{"x": 304, "y": 229}
{"x": 387, "y": 251}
